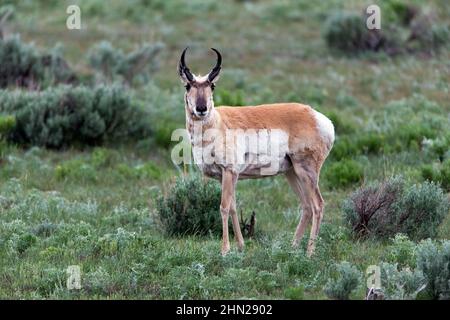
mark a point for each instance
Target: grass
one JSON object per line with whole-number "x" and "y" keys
{"x": 95, "y": 207}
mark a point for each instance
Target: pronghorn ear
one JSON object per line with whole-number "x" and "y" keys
{"x": 213, "y": 76}
{"x": 183, "y": 71}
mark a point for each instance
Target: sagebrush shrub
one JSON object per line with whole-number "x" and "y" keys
{"x": 191, "y": 206}
{"x": 433, "y": 260}
{"x": 368, "y": 210}
{"x": 98, "y": 281}
{"x": 422, "y": 209}
{"x": 347, "y": 32}
{"x": 63, "y": 116}
{"x": 426, "y": 34}
{"x": 24, "y": 66}
{"x": 405, "y": 29}
{"x": 384, "y": 209}
{"x": 402, "y": 251}
{"x": 346, "y": 280}
{"x": 401, "y": 284}
{"x": 113, "y": 63}
{"x": 20, "y": 65}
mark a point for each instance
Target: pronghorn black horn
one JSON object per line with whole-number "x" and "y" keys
{"x": 215, "y": 71}
{"x": 183, "y": 69}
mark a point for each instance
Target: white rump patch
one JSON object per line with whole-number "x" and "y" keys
{"x": 326, "y": 128}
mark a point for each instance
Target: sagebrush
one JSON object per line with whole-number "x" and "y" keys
{"x": 63, "y": 116}
{"x": 347, "y": 279}
{"x": 191, "y": 207}
{"x": 25, "y": 66}
{"x": 382, "y": 210}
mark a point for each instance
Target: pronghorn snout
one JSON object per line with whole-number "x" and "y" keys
{"x": 201, "y": 110}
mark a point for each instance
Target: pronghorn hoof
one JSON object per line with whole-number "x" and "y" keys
{"x": 225, "y": 251}
{"x": 309, "y": 253}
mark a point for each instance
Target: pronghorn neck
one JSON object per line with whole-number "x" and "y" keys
{"x": 197, "y": 127}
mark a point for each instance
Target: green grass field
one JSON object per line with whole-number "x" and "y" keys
{"x": 95, "y": 206}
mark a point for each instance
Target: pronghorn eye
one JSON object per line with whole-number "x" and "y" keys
{"x": 188, "y": 86}
{"x": 213, "y": 86}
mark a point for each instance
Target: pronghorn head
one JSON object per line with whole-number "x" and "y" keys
{"x": 199, "y": 89}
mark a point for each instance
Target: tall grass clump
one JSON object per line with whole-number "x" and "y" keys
{"x": 384, "y": 209}
{"x": 62, "y": 116}
{"x": 191, "y": 207}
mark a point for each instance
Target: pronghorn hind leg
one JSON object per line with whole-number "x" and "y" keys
{"x": 294, "y": 182}
{"x": 309, "y": 178}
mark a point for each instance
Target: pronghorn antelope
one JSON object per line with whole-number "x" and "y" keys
{"x": 303, "y": 137}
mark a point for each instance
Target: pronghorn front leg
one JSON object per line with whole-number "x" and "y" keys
{"x": 236, "y": 225}
{"x": 229, "y": 180}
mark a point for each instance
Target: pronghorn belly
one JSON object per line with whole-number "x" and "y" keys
{"x": 271, "y": 167}
{"x": 266, "y": 156}
{"x": 249, "y": 171}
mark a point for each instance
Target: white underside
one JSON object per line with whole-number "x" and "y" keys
{"x": 249, "y": 154}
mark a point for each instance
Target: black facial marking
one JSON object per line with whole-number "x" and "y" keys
{"x": 201, "y": 99}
